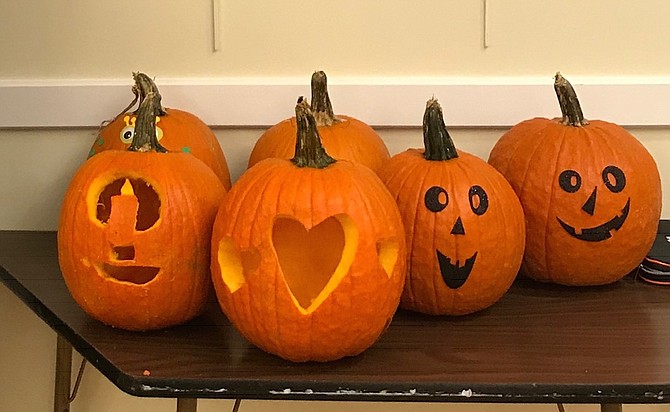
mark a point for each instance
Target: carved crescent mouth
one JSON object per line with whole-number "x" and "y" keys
{"x": 455, "y": 275}
{"x": 138, "y": 275}
{"x": 601, "y": 232}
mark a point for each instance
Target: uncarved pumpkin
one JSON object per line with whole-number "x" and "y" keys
{"x": 177, "y": 130}
{"x": 135, "y": 230}
{"x": 344, "y": 137}
{"x": 591, "y": 193}
{"x": 464, "y": 224}
{"x": 308, "y": 254}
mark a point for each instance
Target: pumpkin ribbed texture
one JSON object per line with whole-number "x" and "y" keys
{"x": 180, "y": 131}
{"x": 134, "y": 236}
{"x": 344, "y": 137}
{"x": 541, "y": 158}
{"x": 341, "y": 218}
{"x": 457, "y": 183}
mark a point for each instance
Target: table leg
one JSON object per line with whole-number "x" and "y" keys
{"x": 611, "y": 407}
{"x": 63, "y": 373}
{"x": 187, "y": 404}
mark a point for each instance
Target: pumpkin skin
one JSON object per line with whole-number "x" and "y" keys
{"x": 344, "y": 137}
{"x": 340, "y": 219}
{"x": 591, "y": 193}
{"x": 464, "y": 225}
{"x": 177, "y": 130}
{"x": 133, "y": 237}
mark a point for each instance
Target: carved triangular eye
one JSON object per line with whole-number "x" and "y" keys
{"x": 387, "y": 253}
{"x": 236, "y": 264}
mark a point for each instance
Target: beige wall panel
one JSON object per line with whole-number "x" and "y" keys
{"x": 109, "y": 39}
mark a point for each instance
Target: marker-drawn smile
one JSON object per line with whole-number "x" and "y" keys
{"x": 453, "y": 274}
{"x": 601, "y": 232}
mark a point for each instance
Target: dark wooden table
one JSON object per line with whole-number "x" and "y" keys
{"x": 542, "y": 344}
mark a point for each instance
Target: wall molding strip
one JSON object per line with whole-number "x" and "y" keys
{"x": 384, "y": 102}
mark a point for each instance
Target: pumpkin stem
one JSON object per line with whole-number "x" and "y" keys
{"x": 145, "y": 85}
{"x": 321, "y": 106}
{"x": 309, "y": 151}
{"x": 145, "y": 139}
{"x": 567, "y": 99}
{"x": 436, "y": 139}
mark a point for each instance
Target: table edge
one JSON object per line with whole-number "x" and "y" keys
{"x": 147, "y": 386}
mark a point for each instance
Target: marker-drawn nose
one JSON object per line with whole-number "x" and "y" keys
{"x": 458, "y": 228}
{"x": 590, "y": 205}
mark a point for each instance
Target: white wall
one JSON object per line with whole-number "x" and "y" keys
{"x": 625, "y": 42}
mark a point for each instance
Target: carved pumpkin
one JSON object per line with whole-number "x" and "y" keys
{"x": 308, "y": 254}
{"x": 464, "y": 224}
{"x": 590, "y": 190}
{"x": 344, "y": 137}
{"x": 135, "y": 230}
{"x": 177, "y": 130}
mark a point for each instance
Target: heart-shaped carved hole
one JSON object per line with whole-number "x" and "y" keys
{"x": 314, "y": 261}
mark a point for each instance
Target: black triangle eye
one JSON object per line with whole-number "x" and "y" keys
{"x": 570, "y": 181}
{"x": 479, "y": 200}
{"x": 436, "y": 199}
{"x": 614, "y": 179}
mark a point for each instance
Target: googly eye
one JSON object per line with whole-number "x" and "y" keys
{"x": 127, "y": 134}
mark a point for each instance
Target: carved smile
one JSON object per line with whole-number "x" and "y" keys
{"x": 133, "y": 274}
{"x": 455, "y": 275}
{"x": 601, "y": 232}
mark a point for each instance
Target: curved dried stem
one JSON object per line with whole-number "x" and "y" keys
{"x": 309, "y": 151}
{"x": 145, "y": 138}
{"x": 567, "y": 100}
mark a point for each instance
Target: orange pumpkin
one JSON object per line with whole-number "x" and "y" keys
{"x": 177, "y": 130}
{"x": 590, "y": 190}
{"x": 464, "y": 224}
{"x": 344, "y": 137}
{"x": 135, "y": 230}
{"x": 308, "y": 254}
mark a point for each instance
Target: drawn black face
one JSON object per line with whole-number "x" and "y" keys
{"x": 436, "y": 200}
{"x": 615, "y": 181}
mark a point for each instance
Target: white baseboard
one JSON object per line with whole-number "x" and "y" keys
{"x": 386, "y": 102}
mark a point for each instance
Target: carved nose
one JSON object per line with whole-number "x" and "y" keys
{"x": 124, "y": 252}
{"x": 458, "y": 228}
{"x": 590, "y": 205}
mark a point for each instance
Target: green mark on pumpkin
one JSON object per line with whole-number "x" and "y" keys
{"x": 100, "y": 141}
{"x": 91, "y": 153}
{"x": 186, "y": 149}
